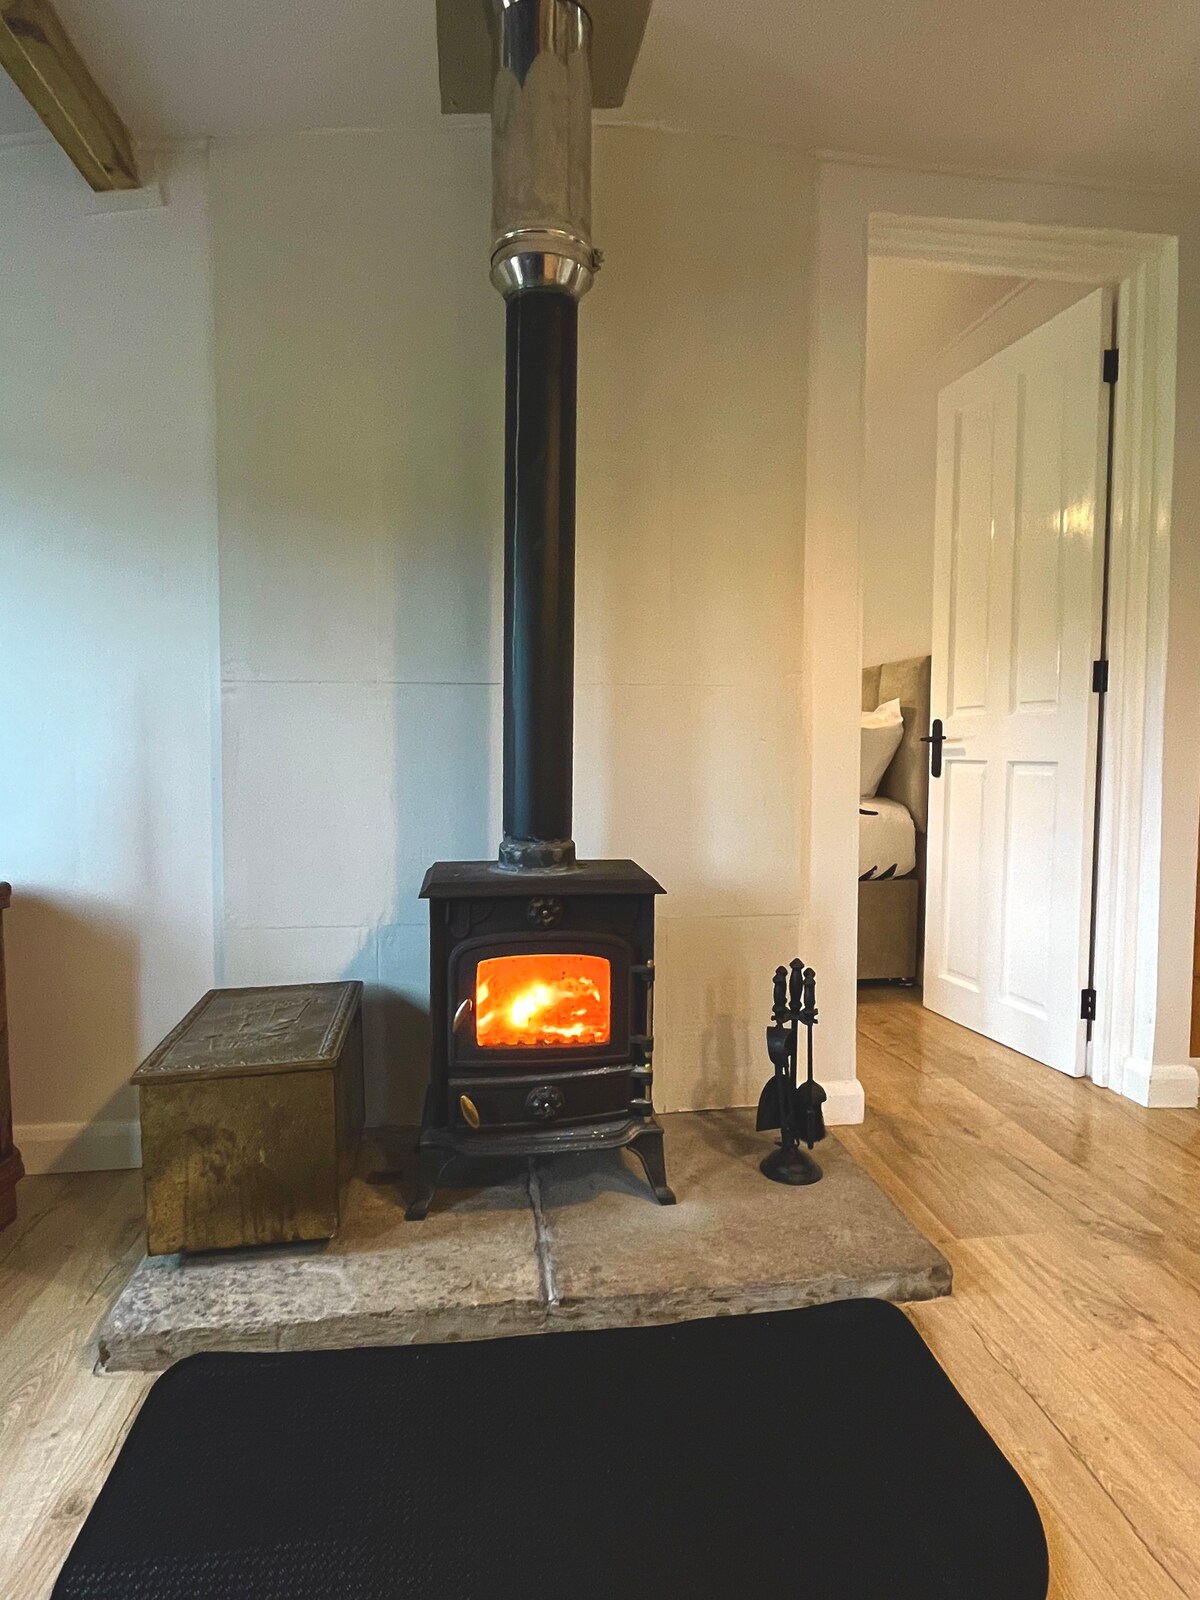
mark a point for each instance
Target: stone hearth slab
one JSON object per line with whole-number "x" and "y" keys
{"x": 470, "y": 1270}
{"x": 576, "y": 1241}
{"x": 736, "y": 1242}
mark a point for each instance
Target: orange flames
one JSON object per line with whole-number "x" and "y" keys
{"x": 557, "y": 1000}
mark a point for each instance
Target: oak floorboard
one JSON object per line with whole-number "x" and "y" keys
{"x": 1119, "y": 1388}
{"x": 1074, "y": 1328}
{"x": 75, "y": 1242}
{"x": 1094, "y": 1552}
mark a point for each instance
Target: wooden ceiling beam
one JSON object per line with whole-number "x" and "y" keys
{"x": 48, "y": 70}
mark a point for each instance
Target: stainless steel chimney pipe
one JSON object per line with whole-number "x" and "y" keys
{"x": 542, "y": 262}
{"x": 542, "y": 149}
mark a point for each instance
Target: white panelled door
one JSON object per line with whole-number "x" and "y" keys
{"x": 1018, "y": 585}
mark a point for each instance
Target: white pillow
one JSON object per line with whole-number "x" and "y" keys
{"x": 882, "y": 731}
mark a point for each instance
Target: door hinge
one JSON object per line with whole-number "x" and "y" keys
{"x": 1087, "y": 1005}
{"x": 1100, "y": 677}
{"x": 1112, "y": 364}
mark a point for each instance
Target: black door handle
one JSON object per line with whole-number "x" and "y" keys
{"x": 935, "y": 740}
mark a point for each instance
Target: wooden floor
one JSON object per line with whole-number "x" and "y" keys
{"x": 1072, "y": 1218}
{"x": 75, "y": 1241}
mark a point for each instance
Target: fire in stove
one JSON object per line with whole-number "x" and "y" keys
{"x": 523, "y": 1001}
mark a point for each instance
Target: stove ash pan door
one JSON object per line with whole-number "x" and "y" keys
{"x": 544, "y": 1005}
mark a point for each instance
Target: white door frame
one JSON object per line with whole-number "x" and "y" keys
{"x": 855, "y": 221}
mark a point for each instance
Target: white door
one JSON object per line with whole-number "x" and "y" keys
{"x": 1018, "y": 585}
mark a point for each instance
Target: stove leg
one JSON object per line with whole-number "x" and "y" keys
{"x": 647, "y": 1146}
{"x": 432, "y": 1161}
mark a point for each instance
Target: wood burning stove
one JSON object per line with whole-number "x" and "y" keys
{"x": 541, "y": 966}
{"x": 542, "y": 994}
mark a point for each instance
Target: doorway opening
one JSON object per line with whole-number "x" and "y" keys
{"x": 1147, "y": 828}
{"x": 983, "y": 537}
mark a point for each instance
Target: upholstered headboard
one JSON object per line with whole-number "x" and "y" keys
{"x": 907, "y": 778}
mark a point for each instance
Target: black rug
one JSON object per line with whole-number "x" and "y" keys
{"x": 820, "y": 1454}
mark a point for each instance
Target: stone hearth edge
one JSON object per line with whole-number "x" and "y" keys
{"x": 567, "y": 1242}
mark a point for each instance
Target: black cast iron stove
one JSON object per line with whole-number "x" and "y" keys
{"x": 541, "y": 966}
{"x": 541, "y": 990}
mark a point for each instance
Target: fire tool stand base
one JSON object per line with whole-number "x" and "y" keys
{"x": 794, "y": 1166}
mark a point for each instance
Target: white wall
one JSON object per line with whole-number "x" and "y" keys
{"x": 347, "y": 416}
{"x": 107, "y": 659}
{"x": 360, "y": 445}
{"x": 941, "y": 338}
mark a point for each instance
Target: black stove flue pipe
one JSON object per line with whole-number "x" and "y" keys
{"x": 539, "y": 578}
{"x": 542, "y": 262}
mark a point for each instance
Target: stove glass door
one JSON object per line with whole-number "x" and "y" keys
{"x": 553, "y": 998}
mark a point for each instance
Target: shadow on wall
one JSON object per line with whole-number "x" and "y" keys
{"x": 443, "y": 789}
{"x": 724, "y": 1047}
{"x": 73, "y": 973}
{"x": 398, "y": 1055}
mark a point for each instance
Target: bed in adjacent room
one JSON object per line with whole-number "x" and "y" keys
{"x": 893, "y": 819}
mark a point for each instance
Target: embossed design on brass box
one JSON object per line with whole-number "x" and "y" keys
{"x": 251, "y": 1113}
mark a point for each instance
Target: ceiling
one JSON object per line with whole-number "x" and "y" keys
{"x": 1103, "y": 92}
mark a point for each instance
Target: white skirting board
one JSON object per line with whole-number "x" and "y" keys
{"x": 78, "y": 1146}
{"x": 109, "y": 1146}
{"x": 844, "y": 1102}
{"x": 1159, "y": 1085}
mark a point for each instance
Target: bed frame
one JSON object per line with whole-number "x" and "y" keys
{"x": 891, "y": 911}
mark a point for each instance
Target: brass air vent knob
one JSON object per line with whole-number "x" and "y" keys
{"x": 470, "y": 1111}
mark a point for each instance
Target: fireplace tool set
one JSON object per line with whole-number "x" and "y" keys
{"x": 788, "y": 1102}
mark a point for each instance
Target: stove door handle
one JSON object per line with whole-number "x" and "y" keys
{"x": 645, "y": 971}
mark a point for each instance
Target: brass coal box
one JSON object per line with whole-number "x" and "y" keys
{"x": 251, "y": 1113}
